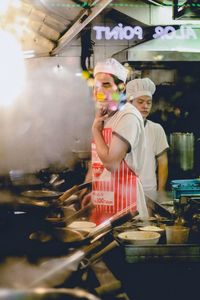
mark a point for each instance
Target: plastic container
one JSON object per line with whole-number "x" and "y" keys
{"x": 185, "y": 187}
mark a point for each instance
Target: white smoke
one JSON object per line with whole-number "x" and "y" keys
{"x": 51, "y": 117}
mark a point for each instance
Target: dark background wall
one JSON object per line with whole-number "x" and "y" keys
{"x": 176, "y": 106}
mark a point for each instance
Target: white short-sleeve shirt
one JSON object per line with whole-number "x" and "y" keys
{"x": 156, "y": 143}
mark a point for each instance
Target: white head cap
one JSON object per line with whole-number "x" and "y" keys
{"x": 140, "y": 87}
{"x": 111, "y": 66}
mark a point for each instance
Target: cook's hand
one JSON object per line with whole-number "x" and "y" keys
{"x": 83, "y": 193}
{"x": 86, "y": 200}
{"x": 100, "y": 117}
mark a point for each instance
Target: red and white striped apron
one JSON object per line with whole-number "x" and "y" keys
{"x": 111, "y": 192}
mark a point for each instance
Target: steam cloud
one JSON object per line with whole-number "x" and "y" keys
{"x": 51, "y": 118}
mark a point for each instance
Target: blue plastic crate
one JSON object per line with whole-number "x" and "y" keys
{"x": 185, "y": 187}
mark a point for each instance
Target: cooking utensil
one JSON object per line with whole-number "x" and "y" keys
{"x": 61, "y": 197}
{"x": 71, "y": 215}
{"x": 95, "y": 257}
{"x": 68, "y": 235}
{"x": 41, "y": 194}
{"x": 54, "y": 271}
{"x": 73, "y": 238}
{"x": 109, "y": 284}
{"x": 182, "y": 150}
{"x": 60, "y": 269}
{"x": 73, "y": 190}
{"x": 116, "y": 220}
{"x": 83, "y": 212}
{"x": 48, "y": 272}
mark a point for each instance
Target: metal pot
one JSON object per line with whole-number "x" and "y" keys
{"x": 46, "y": 294}
{"x": 182, "y": 150}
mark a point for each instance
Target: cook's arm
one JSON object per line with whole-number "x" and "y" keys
{"x": 162, "y": 160}
{"x": 110, "y": 156}
{"x": 88, "y": 176}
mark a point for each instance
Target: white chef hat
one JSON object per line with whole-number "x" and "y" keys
{"x": 140, "y": 87}
{"x": 111, "y": 66}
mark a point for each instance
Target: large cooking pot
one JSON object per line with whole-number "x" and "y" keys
{"x": 46, "y": 294}
{"x": 182, "y": 150}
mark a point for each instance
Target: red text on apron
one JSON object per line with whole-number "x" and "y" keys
{"x": 111, "y": 192}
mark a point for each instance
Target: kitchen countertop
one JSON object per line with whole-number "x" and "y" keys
{"x": 159, "y": 261}
{"x": 161, "y": 205}
{"x": 160, "y": 202}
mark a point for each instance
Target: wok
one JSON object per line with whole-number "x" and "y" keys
{"x": 50, "y": 194}
{"x": 64, "y": 235}
{"x": 74, "y": 238}
{"x": 55, "y": 270}
{"x": 70, "y": 215}
{"x": 48, "y": 272}
{"x": 48, "y": 201}
{"x": 46, "y": 294}
{"x": 52, "y": 198}
{"x": 42, "y": 194}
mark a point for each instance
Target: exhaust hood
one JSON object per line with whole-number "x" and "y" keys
{"x": 164, "y": 49}
{"x": 45, "y": 27}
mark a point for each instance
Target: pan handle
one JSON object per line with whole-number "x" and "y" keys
{"x": 73, "y": 190}
{"x": 122, "y": 219}
{"x": 80, "y": 213}
{"x": 116, "y": 220}
{"x": 103, "y": 251}
{"x": 68, "y": 193}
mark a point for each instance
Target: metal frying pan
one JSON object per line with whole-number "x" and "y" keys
{"x": 49, "y": 194}
{"x": 48, "y": 272}
{"x": 92, "y": 242}
{"x": 71, "y": 215}
{"x": 41, "y": 194}
{"x": 75, "y": 238}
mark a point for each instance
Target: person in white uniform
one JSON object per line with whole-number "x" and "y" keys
{"x": 118, "y": 146}
{"x": 154, "y": 173}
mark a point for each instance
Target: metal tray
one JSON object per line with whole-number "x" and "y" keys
{"x": 162, "y": 253}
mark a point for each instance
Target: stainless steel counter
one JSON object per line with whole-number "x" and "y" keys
{"x": 162, "y": 253}
{"x": 161, "y": 205}
{"x": 160, "y": 202}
